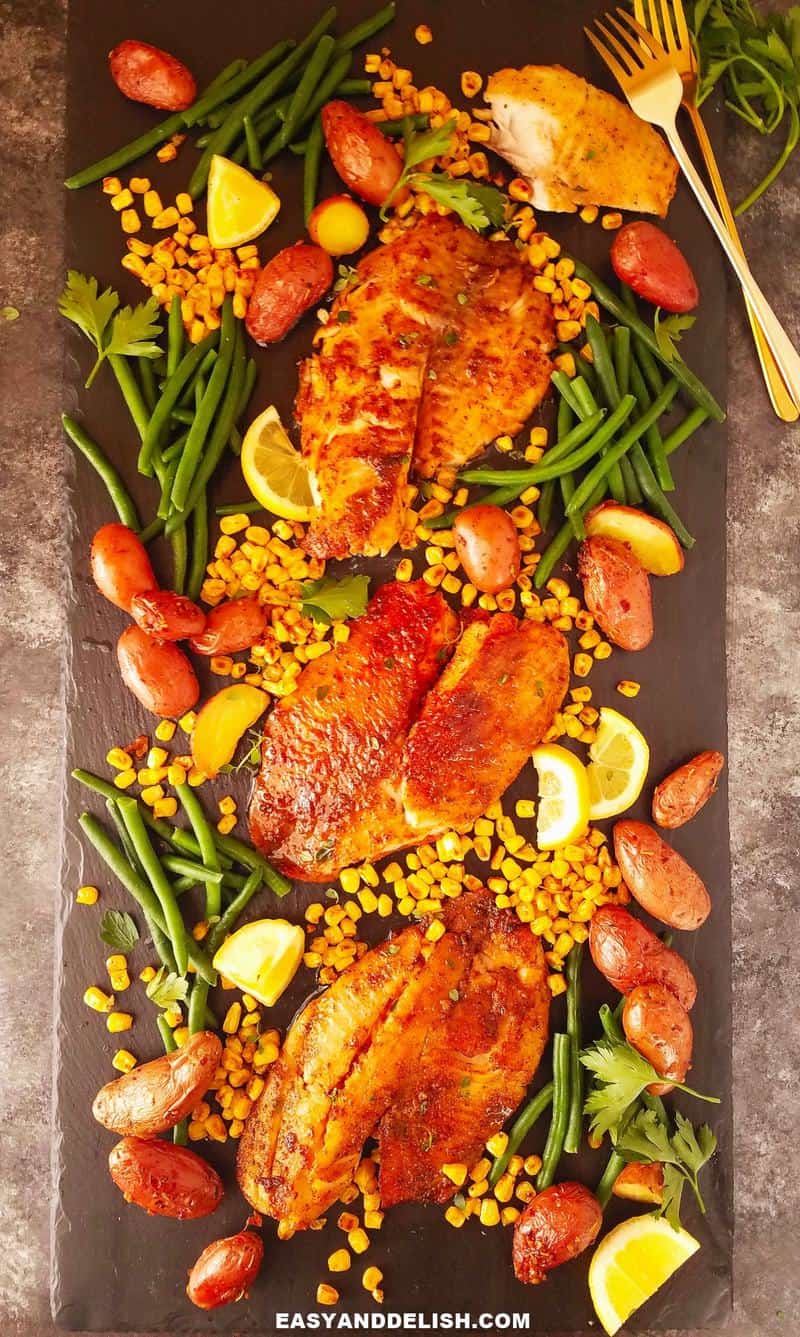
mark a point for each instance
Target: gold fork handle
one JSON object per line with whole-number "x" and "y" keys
{"x": 782, "y": 401}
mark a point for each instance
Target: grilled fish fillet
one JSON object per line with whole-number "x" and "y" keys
{"x": 474, "y": 1069}
{"x": 576, "y": 144}
{"x": 438, "y": 345}
{"x": 354, "y": 1050}
{"x": 381, "y": 746}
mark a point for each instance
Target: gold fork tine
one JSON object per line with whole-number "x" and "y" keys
{"x": 630, "y": 59}
{"x": 619, "y": 72}
{"x": 669, "y": 35}
{"x": 655, "y": 48}
{"x": 654, "y": 24}
{"x": 684, "y": 39}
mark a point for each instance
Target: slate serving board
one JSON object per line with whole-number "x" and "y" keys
{"x": 113, "y": 1268}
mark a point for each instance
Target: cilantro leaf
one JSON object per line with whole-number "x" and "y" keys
{"x": 425, "y": 144}
{"x": 670, "y": 1205}
{"x": 669, "y": 332}
{"x": 477, "y": 206}
{"x": 166, "y": 988}
{"x": 682, "y": 1153}
{"x": 623, "y": 1073}
{"x": 129, "y": 333}
{"x": 119, "y": 930}
{"x": 329, "y": 600}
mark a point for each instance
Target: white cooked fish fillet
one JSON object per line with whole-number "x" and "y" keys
{"x": 576, "y": 144}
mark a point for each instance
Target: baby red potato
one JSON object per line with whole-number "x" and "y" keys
{"x": 616, "y": 591}
{"x": 120, "y": 565}
{"x": 167, "y": 616}
{"x": 148, "y": 74}
{"x": 556, "y": 1226}
{"x": 640, "y": 1183}
{"x": 663, "y": 883}
{"x": 651, "y": 541}
{"x": 627, "y": 953}
{"x": 157, "y": 672}
{"x": 648, "y": 260}
{"x": 681, "y": 795}
{"x": 154, "y": 1097}
{"x": 291, "y": 284}
{"x": 487, "y": 545}
{"x": 366, "y": 160}
{"x": 655, "y": 1023}
{"x": 234, "y": 625}
{"x": 225, "y": 1269}
{"x": 164, "y": 1179}
{"x": 338, "y": 225}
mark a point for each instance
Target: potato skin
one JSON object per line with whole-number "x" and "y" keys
{"x": 167, "y": 616}
{"x": 164, "y": 1179}
{"x": 655, "y": 1023}
{"x": 154, "y": 1097}
{"x": 487, "y": 544}
{"x": 294, "y": 280}
{"x": 225, "y": 1269}
{"x": 662, "y": 882}
{"x": 640, "y": 1182}
{"x": 682, "y": 794}
{"x": 148, "y": 74}
{"x": 120, "y": 565}
{"x": 157, "y": 672}
{"x": 627, "y": 953}
{"x": 365, "y": 159}
{"x": 648, "y": 260}
{"x": 616, "y": 590}
{"x": 234, "y": 625}
{"x": 556, "y": 1226}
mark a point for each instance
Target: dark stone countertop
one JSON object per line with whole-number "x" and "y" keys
{"x": 763, "y": 683}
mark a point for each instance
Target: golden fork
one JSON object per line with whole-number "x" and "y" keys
{"x": 653, "y": 87}
{"x": 676, "y": 40}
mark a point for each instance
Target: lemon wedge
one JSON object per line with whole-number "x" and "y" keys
{"x": 262, "y": 958}
{"x": 276, "y": 473}
{"x": 620, "y": 758}
{"x": 239, "y": 207}
{"x": 563, "y": 809}
{"x": 631, "y": 1263}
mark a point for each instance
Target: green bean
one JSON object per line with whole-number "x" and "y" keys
{"x": 205, "y": 838}
{"x": 298, "y": 148}
{"x": 131, "y": 392}
{"x": 174, "y": 448}
{"x": 655, "y": 444}
{"x": 519, "y": 1130}
{"x": 302, "y": 96}
{"x": 199, "y": 560}
{"x": 677, "y": 368}
{"x": 572, "y": 1139}
{"x": 395, "y": 127}
{"x": 564, "y": 447}
{"x": 555, "y": 468}
{"x": 564, "y": 387}
{"x": 616, "y": 1164}
{"x": 220, "y": 80}
{"x": 366, "y": 28}
{"x": 250, "y": 858}
{"x": 554, "y": 1145}
{"x": 621, "y": 351}
{"x": 255, "y": 160}
{"x": 157, "y": 425}
{"x": 333, "y": 82}
{"x": 251, "y": 372}
{"x": 499, "y": 496}
{"x": 220, "y": 431}
{"x": 684, "y": 430}
{"x": 175, "y": 863}
{"x": 607, "y": 378}
{"x": 229, "y": 916}
{"x": 239, "y": 508}
{"x": 168, "y": 476}
{"x": 173, "y": 835}
{"x": 160, "y": 940}
{"x": 151, "y": 531}
{"x": 186, "y": 416}
{"x": 655, "y": 497}
{"x": 355, "y": 87}
{"x": 156, "y": 876}
{"x": 148, "y": 380}
{"x": 611, "y": 1027}
{"x": 187, "y": 397}
{"x": 311, "y": 165}
{"x": 615, "y": 452}
{"x": 120, "y": 497}
{"x": 198, "y": 1002}
{"x": 175, "y": 335}
{"x": 142, "y": 893}
{"x": 266, "y": 88}
{"x": 560, "y": 542}
{"x": 153, "y": 139}
{"x": 211, "y": 396}
{"x": 217, "y": 93}
{"x": 179, "y": 543}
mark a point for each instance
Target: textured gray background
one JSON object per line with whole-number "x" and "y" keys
{"x": 763, "y": 685}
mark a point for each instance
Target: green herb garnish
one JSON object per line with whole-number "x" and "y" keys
{"x": 166, "y": 988}
{"x": 624, "y": 1074}
{"x": 329, "y": 600}
{"x": 119, "y": 930}
{"x": 682, "y": 1154}
{"x": 127, "y": 332}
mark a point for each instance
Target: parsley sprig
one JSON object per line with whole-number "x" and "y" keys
{"x": 114, "y": 331}
{"x": 330, "y": 600}
{"x": 621, "y": 1074}
{"x": 118, "y": 930}
{"x": 166, "y": 988}
{"x": 682, "y": 1153}
{"x": 669, "y": 330}
{"x": 477, "y": 205}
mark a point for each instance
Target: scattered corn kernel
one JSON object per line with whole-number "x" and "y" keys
{"x": 87, "y": 895}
